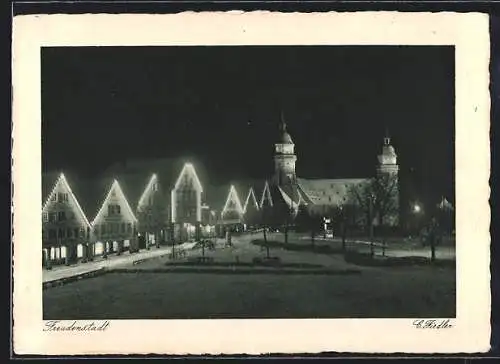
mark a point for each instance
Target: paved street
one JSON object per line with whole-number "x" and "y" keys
{"x": 113, "y": 261}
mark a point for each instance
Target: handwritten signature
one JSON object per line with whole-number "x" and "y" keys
{"x": 57, "y": 325}
{"x": 433, "y": 324}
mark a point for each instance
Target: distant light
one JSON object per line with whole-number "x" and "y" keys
{"x": 416, "y": 208}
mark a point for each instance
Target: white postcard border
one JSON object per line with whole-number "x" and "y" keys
{"x": 468, "y": 32}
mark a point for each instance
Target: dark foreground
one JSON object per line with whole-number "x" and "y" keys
{"x": 388, "y": 292}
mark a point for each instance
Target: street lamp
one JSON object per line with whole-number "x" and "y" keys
{"x": 416, "y": 208}
{"x": 417, "y": 211}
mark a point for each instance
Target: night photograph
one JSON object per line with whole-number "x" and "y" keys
{"x": 194, "y": 182}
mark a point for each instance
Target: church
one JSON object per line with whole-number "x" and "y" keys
{"x": 287, "y": 191}
{"x": 143, "y": 203}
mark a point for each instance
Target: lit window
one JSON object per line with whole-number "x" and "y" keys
{"x": 118, "y": 209}
{"x": 45, "y": 217}
{"x": 54, "y": 197}
{"x": 63, "y": 197}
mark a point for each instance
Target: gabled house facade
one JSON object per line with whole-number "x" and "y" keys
{"x": 186, "y": 201}
{"x": 65, "y": 228}
{"x": 232, "y": 213}
{"x": 251, "y": 210}
{"x": 153, "y": 214}
{"x": 114, "y": 228}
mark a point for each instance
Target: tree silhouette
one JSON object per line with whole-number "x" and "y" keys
{"x": 376, "y": 198}
{"x": 308, "y": 221}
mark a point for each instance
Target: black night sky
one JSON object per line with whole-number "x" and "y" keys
{"x": 222, "y": 105}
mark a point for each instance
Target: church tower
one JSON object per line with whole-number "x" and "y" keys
{"x": 387, "y": 172}
{"x": 388, "y": 159}
{"x": 284, "y": 157}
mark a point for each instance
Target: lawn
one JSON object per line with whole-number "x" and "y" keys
{"x": 145, "y": 293}
{"x": 378, "y": 293}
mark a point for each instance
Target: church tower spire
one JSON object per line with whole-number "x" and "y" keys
{"x": 387, "y": 138}
{"x": 284, "y": 156}
{"x": 282, "y": 123}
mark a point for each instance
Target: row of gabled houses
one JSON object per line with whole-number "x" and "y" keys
{"x": 140, "y": 203}
{"x": 131, "y": 208}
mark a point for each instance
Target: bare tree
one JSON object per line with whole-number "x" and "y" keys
{"x": 385, "y": 192}
{"x": 376, "y": 198}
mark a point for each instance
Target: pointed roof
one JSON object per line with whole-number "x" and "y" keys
{"x": 188, "y": 170}
{"x": 87, "y": 190}
{"x": 167, "y": 171}
{"x": 49, "y": 181}
{"x": 162, "y": 196}
{"x": 61, "y": 180}
{"x": 115, "y": 187}
{"x": 152, "y": 180}
{"x": 387, "y": 148}
{"x": 327, "y": 191}
{"x": 266, "y": 196}
{"x": 284, "y": 136}
{"x": 250, "y": 201}
{"x": 445, "y": 204}
{"x": 387, "y": 138}
{"x": 215, "y": 195}
{"x": 234, "y": 198}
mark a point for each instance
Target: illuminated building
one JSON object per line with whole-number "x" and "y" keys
{"x": 66, "y": 229}
{"x": 115, "y": 225}
{"x": 144, "y": 203}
